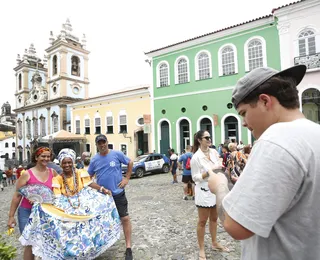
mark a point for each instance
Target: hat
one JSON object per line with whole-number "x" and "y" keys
{"x": 258, "y": 76}
{"x": 20, "y": 166}
{"x": 101, "y": 137}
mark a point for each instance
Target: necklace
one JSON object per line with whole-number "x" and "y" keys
{"x": 71, "y": 192}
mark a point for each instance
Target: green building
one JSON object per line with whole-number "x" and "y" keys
{"x": 193, "y": 82}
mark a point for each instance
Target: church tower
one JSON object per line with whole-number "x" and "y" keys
{"x": 67, "y": 65}
{"x": 25, "y": 69}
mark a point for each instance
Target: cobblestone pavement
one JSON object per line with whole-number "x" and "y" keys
{"x": 164, "y": 225}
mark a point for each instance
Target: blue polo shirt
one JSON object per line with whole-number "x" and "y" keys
{"x": 184, "y": 158}
{"x": 108, "y": 169}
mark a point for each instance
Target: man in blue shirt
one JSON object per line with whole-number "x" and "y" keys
{"x": 186, "y": 175}
{"x": 107, "y": 166}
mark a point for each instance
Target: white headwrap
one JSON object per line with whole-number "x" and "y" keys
{"x": 67, "y": 153}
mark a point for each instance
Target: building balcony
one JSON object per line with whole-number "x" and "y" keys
{"x": 312, "y": 61}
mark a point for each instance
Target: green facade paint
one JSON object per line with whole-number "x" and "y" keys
{"x": 214, "y": 93}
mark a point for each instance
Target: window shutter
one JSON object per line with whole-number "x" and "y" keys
{"x": 109, "y": 121}
{"x": 97, "y": 121}
{"x": 123, "y": 120}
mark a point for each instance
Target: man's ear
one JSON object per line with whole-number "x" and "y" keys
{"x": 266, "y": 100}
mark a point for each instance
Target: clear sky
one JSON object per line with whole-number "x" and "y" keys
{"x": 118, "y": 33}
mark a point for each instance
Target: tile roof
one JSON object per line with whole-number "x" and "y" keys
{"x": 293, "y": 3}
{"x": 211, "y": 33}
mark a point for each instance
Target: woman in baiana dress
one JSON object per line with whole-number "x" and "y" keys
{"x": 83, "y": 221}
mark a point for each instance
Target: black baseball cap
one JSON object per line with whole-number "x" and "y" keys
{"x": 101, "y": 137}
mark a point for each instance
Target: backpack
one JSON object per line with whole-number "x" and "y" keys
{"x": 188, "y": 165}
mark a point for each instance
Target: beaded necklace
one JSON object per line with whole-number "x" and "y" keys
{"x": 72, "y": 192}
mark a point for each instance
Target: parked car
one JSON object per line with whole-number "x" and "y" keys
{"x": 154, "y": 162}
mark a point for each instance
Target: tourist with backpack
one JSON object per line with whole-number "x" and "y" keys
{"x": 185, "y": 159}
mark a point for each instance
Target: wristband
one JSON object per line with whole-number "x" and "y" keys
{"x": 101, "y": 188}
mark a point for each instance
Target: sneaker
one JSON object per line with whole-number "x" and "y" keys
{"x": 129, "y": 254}
{"x": 185, "y": 197}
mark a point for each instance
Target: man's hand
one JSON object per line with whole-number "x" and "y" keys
{"x": 216, "y": 180}
{"x": 106, "y": 191}
{"x": 123, "y": 183}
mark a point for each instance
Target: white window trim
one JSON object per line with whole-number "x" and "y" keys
{"x": 235, "y": 58}
{"x": 122, "y": 113}
{"x": 176, "y": 78}
{"x": 316, "y": 35}
{"x": 178, "y": 132}
{"x": 223, "y": 137}
{"x": 159, "y": 132}
{"x": 264, "y": 51}
{"x": 213, "y": 137}
{"x": 98, "y": 116}
{"x": 120, "y": 148}
{"x": 84, "y": 124}
{"x": 158, "y": 73}
{"x": 196, "y": 70}
{"x": 137, "y": 124}
{"x": 109, "y": 114}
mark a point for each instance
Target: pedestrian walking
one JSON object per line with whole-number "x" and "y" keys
{"x": 274, "y": 207}
{"x": 173, "y": 165}
{"x": 185, "y": 159}
{"x": 107, "y": 166}
{"x": 203, "y": 159}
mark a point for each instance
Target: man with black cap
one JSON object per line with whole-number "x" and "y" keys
{"x": 274, "y": 206}
{"x": 107, "y": 166}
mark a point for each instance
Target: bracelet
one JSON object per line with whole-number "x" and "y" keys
{"x": 101, "y": 188}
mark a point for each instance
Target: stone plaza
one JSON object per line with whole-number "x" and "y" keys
{"x": 163, "y": 224}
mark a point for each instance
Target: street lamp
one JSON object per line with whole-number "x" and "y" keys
{"x": 125, "y": 135}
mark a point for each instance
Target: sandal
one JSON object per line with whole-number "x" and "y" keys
{"x": 202, "y": 257}
{"x": 220, "y": 248}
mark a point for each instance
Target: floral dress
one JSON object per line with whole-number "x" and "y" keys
{"x": 79, "y": 225}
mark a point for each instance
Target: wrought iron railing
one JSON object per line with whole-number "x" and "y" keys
{"x": 312, "y": 61}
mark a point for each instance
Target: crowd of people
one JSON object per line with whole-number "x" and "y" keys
{"x": 74, "y": 209}
{"x": 267, "y": 197}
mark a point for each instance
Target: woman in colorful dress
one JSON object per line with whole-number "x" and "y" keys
{"x": 39, "y": 174}
{"x": 82, "y": 222}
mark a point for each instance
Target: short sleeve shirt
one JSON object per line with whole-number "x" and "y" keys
{"x": 277, "y": 195}
{"x": 183, "y": 158}
{"x": 108, "y": 169}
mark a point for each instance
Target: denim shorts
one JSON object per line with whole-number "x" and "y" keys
{"x": 23, "y": 217}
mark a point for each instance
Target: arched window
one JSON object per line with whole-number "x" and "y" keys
{"x": 163, "y": 75}
{"x": 75, "y": 66}
{"x": 228, "y": 61}
{"x": 20, "y": 81}
{"x": 6, "y": 145}
{"x": 13, "y": 144}
{"x": 255, "y": 54}
{"x": 54, "y": 65}
{"x": 307, "y": 43}
{"x": 182, "y": 70}
{"x": 203, "y": 66}
{"x": 311, "y": 104}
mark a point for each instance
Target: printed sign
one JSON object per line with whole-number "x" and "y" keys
{"x": 154, "y": 165}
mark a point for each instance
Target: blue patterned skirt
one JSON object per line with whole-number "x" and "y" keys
{"x": 60, "y": 231}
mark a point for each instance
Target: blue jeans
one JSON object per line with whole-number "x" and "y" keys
{"x": 23, "y": 217}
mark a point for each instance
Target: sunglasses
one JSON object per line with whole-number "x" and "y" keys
{"x": 207, "y": 138}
